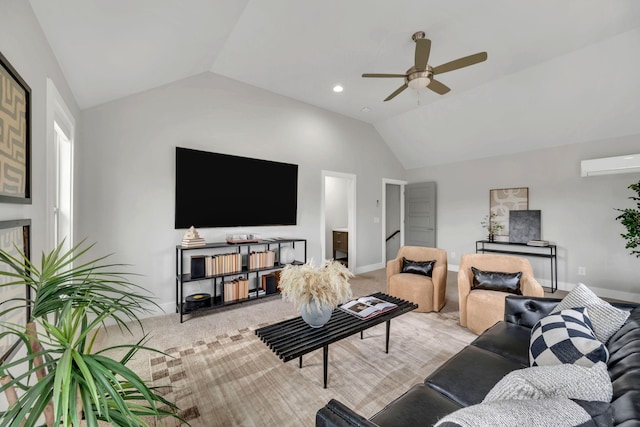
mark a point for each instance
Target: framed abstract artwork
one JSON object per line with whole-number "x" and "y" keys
{"x": 15, "y": 136}
{"x": 503, "y": 200}
{"x": 14, "y": 306}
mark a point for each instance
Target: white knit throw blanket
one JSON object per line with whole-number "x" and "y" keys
{"x": 570, "y": 381}
{"x": 558, "y": 412}
{"x": 538, "y": 397}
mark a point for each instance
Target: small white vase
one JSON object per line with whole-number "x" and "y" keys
{"x": 314, "y": 317}
{"x": 287, "y": 255}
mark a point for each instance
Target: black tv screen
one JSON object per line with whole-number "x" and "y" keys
{"x": 221, "y": 190}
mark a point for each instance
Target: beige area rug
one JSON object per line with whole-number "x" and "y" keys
{"x": 222, "y": 374}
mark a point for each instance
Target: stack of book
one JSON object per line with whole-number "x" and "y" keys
{"x": 243, "y": 287}
{"x": 264, "y": 259}
{"x": 223, "y": 264}
{"x": 236, "y": 289}
{"x": 254, "y": 293}
{"x": 230, "y": 290}
{"x": 192, "y": 239}
{"x": 540, "y": 243}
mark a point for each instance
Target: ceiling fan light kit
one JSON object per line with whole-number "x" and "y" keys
{"x": 421, "y": 74}
{"x": 417, "y": 79}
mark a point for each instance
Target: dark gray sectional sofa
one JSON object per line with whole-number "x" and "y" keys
{"x": 468, "y": 376}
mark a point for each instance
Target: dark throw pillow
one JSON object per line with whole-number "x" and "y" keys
{"x": 424, "y": 268}
{"x": 496, "y": 281}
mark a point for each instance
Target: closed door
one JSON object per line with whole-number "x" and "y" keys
{"x": 420, "y": 214}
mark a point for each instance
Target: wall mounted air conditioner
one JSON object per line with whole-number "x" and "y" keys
{"x": 610, "y": 165}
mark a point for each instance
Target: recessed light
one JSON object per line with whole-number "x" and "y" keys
{"x": 365, "y": 109}
{"x": 338, "y": 88}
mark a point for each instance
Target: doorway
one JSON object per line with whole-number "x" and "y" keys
{"x": 60, "y": 135}
{"x": 392, "y": 217}
{"x": 338, "y": 218}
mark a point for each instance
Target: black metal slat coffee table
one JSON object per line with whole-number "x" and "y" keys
{"x": 293, "y": 338}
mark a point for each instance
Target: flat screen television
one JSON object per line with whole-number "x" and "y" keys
{"x": 221, "y": 190}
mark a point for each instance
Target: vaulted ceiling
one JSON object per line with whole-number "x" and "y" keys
{"x": 558, "y": 71}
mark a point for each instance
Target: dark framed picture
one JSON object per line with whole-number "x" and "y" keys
{"x": 14, "y": 299}
{"x": 15, "y": 136}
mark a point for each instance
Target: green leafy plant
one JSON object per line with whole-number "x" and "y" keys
{"x": 71, "y": 300}
{"x": 490, "y": 225}
{"x": 630, "y": 218}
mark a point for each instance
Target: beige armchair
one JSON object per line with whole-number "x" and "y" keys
{"x": 481, "y": 309}
{"x": 427, "y": 292}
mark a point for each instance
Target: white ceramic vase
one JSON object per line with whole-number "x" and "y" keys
{"x": 287, "y": 255}
{"x": 314, "y": 317}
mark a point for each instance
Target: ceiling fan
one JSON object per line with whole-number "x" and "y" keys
{"x": 421, "y": 74}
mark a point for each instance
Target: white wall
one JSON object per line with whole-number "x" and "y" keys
{"x": 23, "y": 44}
{"x": 577, "y": 213}
{"x": 25, "y": 47}
{"x": 126, "y": 161}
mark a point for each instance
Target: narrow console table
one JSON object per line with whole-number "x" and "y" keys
{"x": 523, "y": 249}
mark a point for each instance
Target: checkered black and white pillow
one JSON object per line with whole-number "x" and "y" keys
{"x": 565, "y": 337}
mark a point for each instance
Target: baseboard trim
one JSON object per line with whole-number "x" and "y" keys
{"x": 371, "y": 267}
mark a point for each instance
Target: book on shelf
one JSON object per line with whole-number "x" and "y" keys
{"x": 367, "y": 307}
{"x": 264, "y": 259}
{"x": 243, "y": 288}
{"x": 231, "y": 290}
{"x": 540, "y": 243}
{"x": 198, "y": 266}
{"x": 223, "y": 264}
{"x": 269, "y": 283}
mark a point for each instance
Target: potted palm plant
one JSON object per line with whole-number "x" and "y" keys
{"x": 316, "y": 291}
{"x": 630, "y": 218}
{"x": 62, "y": 379}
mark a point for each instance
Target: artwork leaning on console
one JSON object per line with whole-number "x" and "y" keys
{"x": 504, "y": 200}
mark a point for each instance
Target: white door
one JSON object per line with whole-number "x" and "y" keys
{"x": 420, "y": 214}
{"x": 63, "y": 207}
{"x": 60, "y": 135}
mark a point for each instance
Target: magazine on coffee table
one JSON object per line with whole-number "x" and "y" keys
{"x": 367, "y": 307}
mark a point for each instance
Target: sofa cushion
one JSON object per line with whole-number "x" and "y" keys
{"x": 507, "y": 340}
{"x": 565, "y": 337}
{"x": 468, "y": 376}
{"x": 605, "y": 318}
{"x": 420, "y": 405}
{"x": 424, "y": 268}
{"x": 526, "y": 311}
{"x": 557, "y": 412}
{"x": 566, "y": 380}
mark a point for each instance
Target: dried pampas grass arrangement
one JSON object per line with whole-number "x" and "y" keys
{"x": 327, "y": 284}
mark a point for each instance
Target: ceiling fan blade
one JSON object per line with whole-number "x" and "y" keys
{"x": 397, "y": 91}
{"x": 423, "y": 48}
{"x": 460, "y": 63}
{"x": 383, "y": 75}
{"x": 438, "y": 87}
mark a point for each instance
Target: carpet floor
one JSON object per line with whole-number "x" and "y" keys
{"x": 222, "y": 374}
